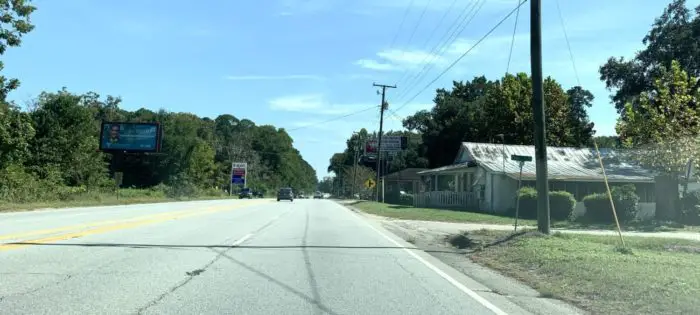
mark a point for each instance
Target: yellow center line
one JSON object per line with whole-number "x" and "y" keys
{"x": 122, "y": 225}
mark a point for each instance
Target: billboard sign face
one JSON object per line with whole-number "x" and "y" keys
{"x": 238, "y": 173}
{"x": 130, "y": 137}
{"x": 389, "y": 144}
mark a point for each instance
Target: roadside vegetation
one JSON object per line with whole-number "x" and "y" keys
{"x": 125, "y": 196}
{"x": 649, "y": 276}
{"x": 427, "y": 214}
{"x": 48, "y": 148}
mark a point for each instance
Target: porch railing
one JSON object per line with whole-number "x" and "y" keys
{"x": 446, "y": 199}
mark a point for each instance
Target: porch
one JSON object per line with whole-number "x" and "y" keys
{"x": 453, "y": 186}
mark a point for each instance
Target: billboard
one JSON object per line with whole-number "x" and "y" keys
{"x": 238, "y": 173}
{"x": 130, "y": 137}
{"x": 389, "y": 144}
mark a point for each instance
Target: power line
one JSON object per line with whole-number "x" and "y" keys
{"x": 405, "y": 14}
{"x": 568, "y": 45}
{"x": 466, "y": 20}
{"x": 432, "y": 33}
{"x": 332, "y": 119}
{"x": 463, "y": 55}
{"x": 512, "y": 40}
{"x": 425, "y": 8}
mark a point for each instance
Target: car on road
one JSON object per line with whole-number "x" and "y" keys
{"x": 285, "y": 194}
{"x": 318, "y": 195}
{"x": 245, "y": 193}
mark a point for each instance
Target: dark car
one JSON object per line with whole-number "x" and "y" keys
{"x": 245, "y": 193}
{"x": 285, "y": 194}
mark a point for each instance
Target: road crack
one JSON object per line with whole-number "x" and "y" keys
{"x": 37, "y": 289}
{"x": 191, "y": 274}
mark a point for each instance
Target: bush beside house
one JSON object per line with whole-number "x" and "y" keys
{"x": 561, "y": 204}
{"x": 690, "y": 208}
{"x": 598, "y": 208}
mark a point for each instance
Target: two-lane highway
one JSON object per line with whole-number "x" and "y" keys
{"x": 222, "y": 257}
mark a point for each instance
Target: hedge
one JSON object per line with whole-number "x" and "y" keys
{"x": 598, "y": 208}
{"x": 690, "y": 208}
{"x": 561, "y": 204}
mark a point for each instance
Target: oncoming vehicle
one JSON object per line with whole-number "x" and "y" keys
{"x": 285, "y": 194}
{"x": 318, "y": 195}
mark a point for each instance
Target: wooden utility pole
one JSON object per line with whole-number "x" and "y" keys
{"x": 354, "y": 163}
{"x": 382, "y": 108}
{"x": 538, "y": 108}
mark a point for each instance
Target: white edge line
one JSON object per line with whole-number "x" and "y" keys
{"x": 242, "y": 239}
{"x": 437, "y": 270}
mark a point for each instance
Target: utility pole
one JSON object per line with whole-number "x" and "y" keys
{"x": 542, "y": 183}
{"x": 354, "y": 169}
{"x": 382, "y": 108}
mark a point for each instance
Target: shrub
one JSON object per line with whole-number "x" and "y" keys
{"x": 528, "y": 203}
{"x": 598, "y": 208}
{"x": 406, "y": 199}
{"x": 561, "y": 204}
{"x": 690, "y": 208}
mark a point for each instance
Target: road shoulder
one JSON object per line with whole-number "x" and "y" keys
{"x": 488, "y": 283}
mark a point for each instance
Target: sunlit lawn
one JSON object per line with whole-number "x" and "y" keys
{"x": 659, "y": 276}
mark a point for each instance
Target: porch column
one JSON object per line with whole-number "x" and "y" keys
{"x": 456, "y": 179}
{"x": 435, "y": 188}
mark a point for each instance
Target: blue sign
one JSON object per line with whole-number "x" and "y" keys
{"x": 238, "y": 171}
{"x": 117, "y": 136}
{"x": 238, "y": 180}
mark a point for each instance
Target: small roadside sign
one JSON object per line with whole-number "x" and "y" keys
{"x": 369, "y": 183}
{"x": 118, "y": 177}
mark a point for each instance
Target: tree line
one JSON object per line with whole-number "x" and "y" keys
{"x": 656, "y": 94}
{"x": 50, "y": 150}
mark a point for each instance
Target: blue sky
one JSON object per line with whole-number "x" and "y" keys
{"x": 295, "y": 63}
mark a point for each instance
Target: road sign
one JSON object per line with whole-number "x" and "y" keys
{"x": 369, "y": 183}
{"x": 118, "y": 177}
{"x": 238, "y": 173}
{"x": 521, "y": 158}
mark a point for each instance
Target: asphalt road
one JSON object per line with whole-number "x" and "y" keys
{"x": 223, "y": 257}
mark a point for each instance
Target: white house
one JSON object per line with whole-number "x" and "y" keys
{"x": 483, "y": 176}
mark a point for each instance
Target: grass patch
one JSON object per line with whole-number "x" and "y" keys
{"x": 649, "y": 276}
{"x": 126, "y": 196}
{"x": 428, "y": 214}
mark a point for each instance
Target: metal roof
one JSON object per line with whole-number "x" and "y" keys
{"x": 404, "y": 175}
{"x": 563, "y": 163}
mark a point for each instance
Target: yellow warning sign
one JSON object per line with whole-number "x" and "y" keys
{"x": 370, "y": 183}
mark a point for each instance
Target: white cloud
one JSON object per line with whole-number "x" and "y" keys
{"x": 274, "y": 77}
{"x": 375, "y": 65}
{"x": 314, "y": 104}
{"x": 397, "y": 59}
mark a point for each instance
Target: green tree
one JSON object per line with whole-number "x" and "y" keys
{"x": 493, "y": 111}
{"x": 675, "y": 35}
{"x": 15, "y": 22}
{"x": 663, "y": 126}
{"x": 65, "y": 138}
